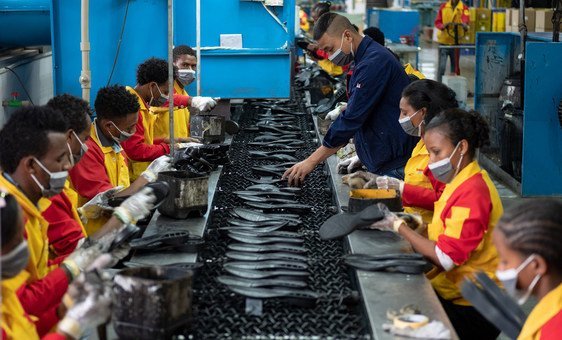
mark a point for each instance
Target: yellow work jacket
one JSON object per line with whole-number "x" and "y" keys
{"x": 463, "y": 221}
{"x": 136, "y": 168}
{"x": 35, "y": 230}
{"x": 73, "y": 198}
{"x": 545, "y": 319}
{"x": 455, "y": 15}
{"x": 410, "y": 70}
{"x": 330, "y": 67}
{"x": 413, "y": 175}
{"x": 14, "y": 321}
{"x": 162, "y": 118}
{"x": 117, "y": 171}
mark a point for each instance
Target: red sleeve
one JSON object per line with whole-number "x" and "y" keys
{"x": 64, "y": 231}
{"x": 552, "y": 329}
{"x": 439, "y": 19}
{"x": 47, "y": 321}
{"x": 54, "y": 336}
{"x": 466, "y": 217}
{"x": 322, "y": 54}
{"x": 465, "y": 17}
{"x": 89, "y": 176}
{"x": 414, "y": 196}
{"x": 180, "y": 100}
{"x": 42, "y": 295}
{"x": 138, "y": 150}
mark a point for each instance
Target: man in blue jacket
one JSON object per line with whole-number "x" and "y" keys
{"x": 372, "y": 113}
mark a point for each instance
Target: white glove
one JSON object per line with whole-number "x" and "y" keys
{"x": 433, "y": 330}
{"x": 136, "y": 207}
{"x": 187, "y": 145}
{"x": 349, "y": 165}
{"x": 385, "y": 182}
{"x": 82, "y": 258}
{"x": 162, "y": 163}
{"x": 340, "y": 107}
{"x": 94, "y": 207}
{"x": 367, "y": 177}
{"x": 203, "y": 103}
{"x": 90, "y": 306}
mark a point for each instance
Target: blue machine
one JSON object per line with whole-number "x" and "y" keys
{"x": 261, "y": 69}
{"x": 496, "y": 59}
{"x": 395, "y": 23}
{"x": 24, "y": 23}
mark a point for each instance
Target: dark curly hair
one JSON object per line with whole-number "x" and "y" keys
{"x": 26, "y": 134}
{"x": 459, "y": 124}
{"x": 152, "y": 70}
{"x": 9, "y": 215}
{"x": 430, "y": 94}
{"x": 535, "y": 227}
{"x": 76, "y": 111}
{"x": 115, "y": 102}
{"x": 181, "y": 50}
{"x": 375, "y": 33}
{"x": 322, "y": 7}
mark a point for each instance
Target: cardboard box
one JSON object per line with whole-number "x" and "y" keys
{"x": 508, "y": 13}
{"x": 483, "y": 20}
{"x": 543, "y": 19}
{"x": 530, "y": 16}
{"x": 498, "y": 21}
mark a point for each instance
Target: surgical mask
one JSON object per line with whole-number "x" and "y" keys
{"x": 409, "y": 127}
{"x": 508, "y": 278}
{"x": 56, "y": 181}
{"x": 443, "y": 169}
{"x": 339, "y": 58}
{"x": 161, "y": 100}
{"x": 83, "y": 149}
{"x": 15, "y": 261}
{"x": 186, "y": 76}
{"x": 123, "y": 136}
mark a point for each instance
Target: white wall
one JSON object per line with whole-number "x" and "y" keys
{"x": 36, "y": 74}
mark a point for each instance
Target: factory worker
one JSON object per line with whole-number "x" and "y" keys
{"x": 528, "y": 241}
{"x": 459, "y": 239}
{"x": 92, "y": 301}
{"x": 372, "y": 112}
{"x": 421, "y": 101}
{"x": 103, "y": 169}
{"x": 185, "y": 62}
{"x": 35, "y": 158}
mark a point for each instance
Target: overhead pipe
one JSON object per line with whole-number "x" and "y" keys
{"x": 171, "y": 72}
{"x": 86, "y": 74}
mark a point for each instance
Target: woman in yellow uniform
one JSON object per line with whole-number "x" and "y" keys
{"x": 528, "y": 241}
{"x": 459, "y": 241}
{"x": 420, "y": 102}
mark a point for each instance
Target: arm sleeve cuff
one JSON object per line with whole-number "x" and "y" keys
{"x": 446, "y": 262}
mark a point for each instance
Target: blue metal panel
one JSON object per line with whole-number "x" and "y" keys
{"x": 542, "y": 133}
{"x": 395, "y": 23}
{"x": 24, "y": 23}
{"x": 145, "y": 36}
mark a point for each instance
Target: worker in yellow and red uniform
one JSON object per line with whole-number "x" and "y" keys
{"x": 87, "y": 302}
{"x": 528, "y": 241}
{"x": 34, "y": 158}
{"x": 185, "y": 64}
{"x": 420, "y": 102}
{"x": 459, "y": 241}
{"x": 66, "y": 230}
{"x": 303, "y": 21}
{"x": 451, "y": 13}
{"x": 103, "y": 171}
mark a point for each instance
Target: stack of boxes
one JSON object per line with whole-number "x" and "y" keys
{"x": 537, "y": 20}
{"x": 480, "y": 21}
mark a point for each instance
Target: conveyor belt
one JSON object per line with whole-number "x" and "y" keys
{"x": 218, "y": 313}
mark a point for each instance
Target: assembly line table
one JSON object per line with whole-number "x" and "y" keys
{"x": 381, "y": 291}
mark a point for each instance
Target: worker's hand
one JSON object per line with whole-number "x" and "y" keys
{"x": 312, "y": 47}
{"x": 162, "y": 163}
{"x": 119, "y": 253}
{"x": 181, "y": 140}
{"x": 297, "y": 173}
{"x": 390, "y": 222}
{"x": 94, "y": 207}
{"x": 136, "y": 207}
{"x": 203, "y": 103}
{"x": 448, "y": 25}
{"x": 340, "y": 107}
{"x": 385, "y": 182}
{"x": 369, "y": 179}
{"x": 349, "y": 165}
{"x": 82, "y": 258}
{"x": 91, "y": 306}
{"x": 187, "y": 145}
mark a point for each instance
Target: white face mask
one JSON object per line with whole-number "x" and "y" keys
{"x": 409, "y": 127}
{"x": 186, "y": 76}
{"x": 509, "y": 277}
{"x": 83, "y": 149}
{"x": 15, "y": 261}
{"x": 56, "y": 181}
{"x": 339, "y": 58}
{"x": 443, "y": 169}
